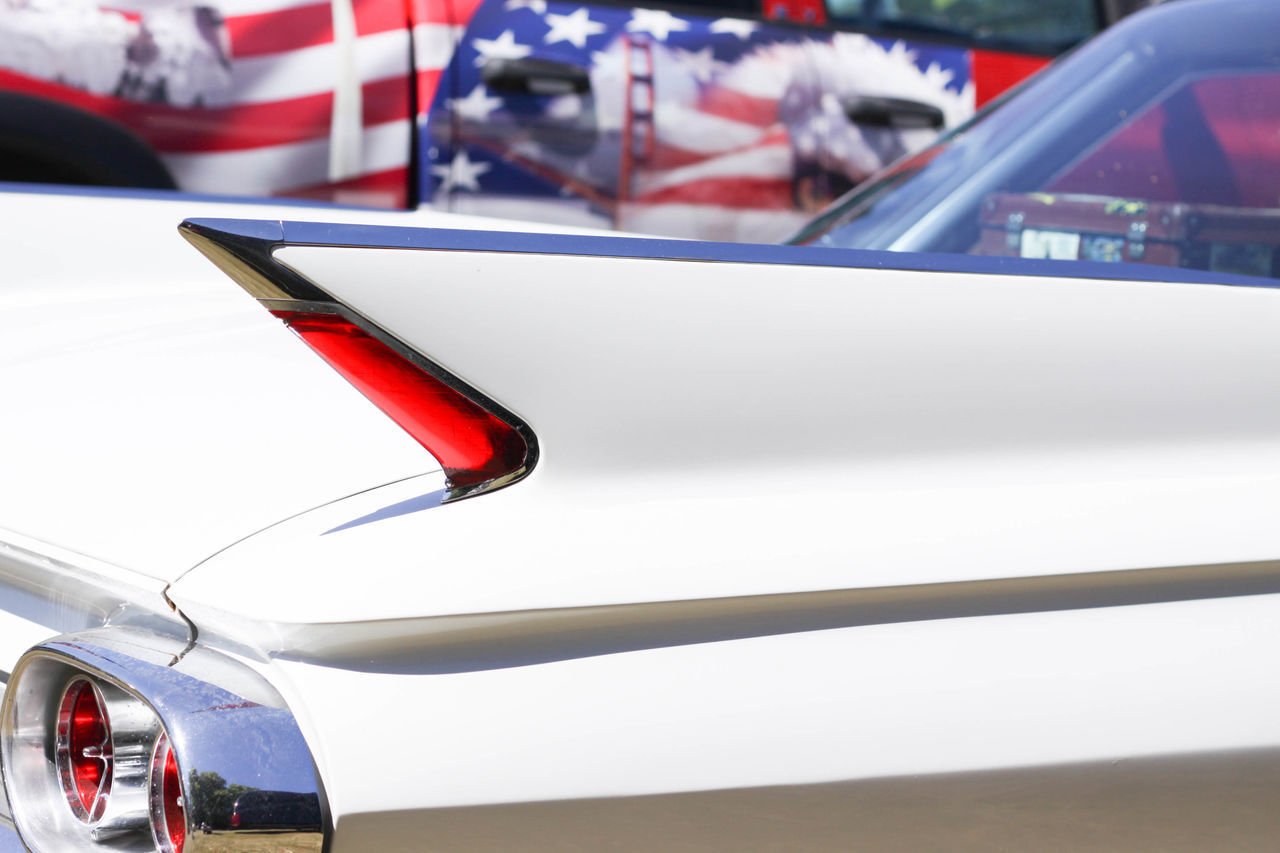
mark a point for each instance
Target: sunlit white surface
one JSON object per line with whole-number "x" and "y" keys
{"x": 713, "y": 430}
{"x": 706, "y": 431}
{"x": 931, "y": 697}
{"x": 155, "y": 413}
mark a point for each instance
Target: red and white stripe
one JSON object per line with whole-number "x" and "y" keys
{"x": 288, "y": 67}
{"x": 756, "y": 176}
{"x": 725, "y": 151}
{"x": 272, "y": 131}
{"x": 438, "y": 26}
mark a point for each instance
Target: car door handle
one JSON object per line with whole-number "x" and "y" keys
{"x": 898, "y": 113}
{"x": 532, "y": 76}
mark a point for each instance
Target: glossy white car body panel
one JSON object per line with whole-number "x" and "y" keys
{"x": 621, "y": 658}
{"x": 795, "y": 532}
{"x": 162, "y": 414}
{"x": 873, "y": 428}
{"x": 1017, "y": 691}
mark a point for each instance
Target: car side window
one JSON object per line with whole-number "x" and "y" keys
{"x": 1212, "y": 140}
{"x": 1035, "y": 24}
{"x": 1190, "y": 180}
{"x": 746, "y": 8}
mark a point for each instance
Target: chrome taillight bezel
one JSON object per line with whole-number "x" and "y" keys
{"x": 156, "y": 692}
{"x": 34, "y": 755}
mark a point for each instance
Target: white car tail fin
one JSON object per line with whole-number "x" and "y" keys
{"x": 480, "y": 445}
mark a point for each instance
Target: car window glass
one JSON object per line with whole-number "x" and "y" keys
{"x": 738, "y": 8}
{"x": 845, "y": 9}
{"x": 1215, "y": 140}
{"x": 1191, "y": 180}
{"x": 1187, "y": 176}
{"x": 747, "y": 8}
{"x": 1033, "y": 23}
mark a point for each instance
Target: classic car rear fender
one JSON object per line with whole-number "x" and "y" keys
{"x": 892, "y": 525}
{"x": 949, "y": 423}
{"x": 1111, "y": 728}
{"x": 736, "y": 570}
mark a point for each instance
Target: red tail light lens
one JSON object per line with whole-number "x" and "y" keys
{"x": 168, "y": 811}
{"x": 84, "y": 750}
{"x": 471, "y": 444}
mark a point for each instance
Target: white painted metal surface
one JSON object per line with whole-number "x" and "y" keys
{"x": 707, "y": 432}
{"x": 887, "y": 700}
{"x": 713, "y": 430}
{"x": 154, "y": 413}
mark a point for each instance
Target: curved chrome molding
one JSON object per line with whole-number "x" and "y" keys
{"x": 65, "y": 591}
{"x": 246, "y": 255}
{"x": 468, "y": 642}
{"x": 232, "y": 734}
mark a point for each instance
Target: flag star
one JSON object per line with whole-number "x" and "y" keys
{"x": 461, "y": 173}
{"x": 475, "y": 106}
{"x": 701, "y": 63}
{"x": 658, "y": 22}
{"x": 539, "y": 6}
{"x": 575, "y": 28}
{"x": 734, "y": 26}
{"x": 503, "y": 47}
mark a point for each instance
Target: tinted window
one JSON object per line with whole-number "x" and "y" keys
{"x": 1146, "y": 147}
{"x": 1214, "y": 140}
{"x": 1046, "y": 24}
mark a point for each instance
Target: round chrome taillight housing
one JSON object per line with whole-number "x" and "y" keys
{"x": 83, "y": 750}
{"x": 167, "y": 807}
{"x": 77, "y": 751}
{"x": 123, "y": 741}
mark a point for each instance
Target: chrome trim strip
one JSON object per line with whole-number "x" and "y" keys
{"x": 295, "y": 233}
{"x": 66, "y": 591}
{"x": 247, "y": 257}
{"x": 469, "y": 642}
{"x": 229, "y": 727}
{"x": 1186, "y": 803}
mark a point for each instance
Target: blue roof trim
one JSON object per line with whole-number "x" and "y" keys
{"x": 403, "y": 237}
{"x": 173, "y": 195}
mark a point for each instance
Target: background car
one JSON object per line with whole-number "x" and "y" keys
{"x": 713, "y": 120}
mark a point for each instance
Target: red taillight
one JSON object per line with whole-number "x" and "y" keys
{"x": 168, "y": 811}
{"x": 84, "y": 750}
{"x": 471, "y": 444}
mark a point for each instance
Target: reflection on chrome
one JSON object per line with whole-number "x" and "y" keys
{"x": 194, "y": 745}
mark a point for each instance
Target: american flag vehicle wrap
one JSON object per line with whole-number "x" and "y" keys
{"x": 254, "y": 97}
{"x": 644, "y": 119}
{"x": 714, "y": 127}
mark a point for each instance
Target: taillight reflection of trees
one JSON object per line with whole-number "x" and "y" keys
{"x": 213, "y": 799}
